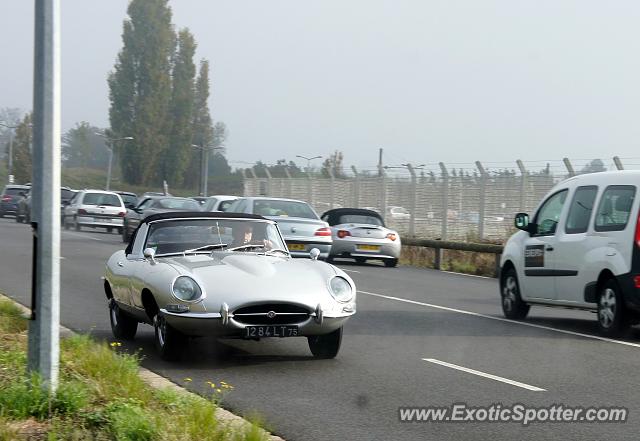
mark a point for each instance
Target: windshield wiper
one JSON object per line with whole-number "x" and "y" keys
{"x": 275, "y": 251}
{"x": 212, "y": 246}
{"x": 245, "y": 247}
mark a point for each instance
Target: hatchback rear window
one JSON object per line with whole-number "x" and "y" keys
{"x": 15, "y": 191}
{"x": 105, "y": 199}
{"x": 359, "y": 219}
{"x": 266, "y": 207}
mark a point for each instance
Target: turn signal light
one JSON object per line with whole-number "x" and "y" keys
{"x": 343, "y": 233}
{"x": 324, "y": 231}
{"x": 391, "y": 236}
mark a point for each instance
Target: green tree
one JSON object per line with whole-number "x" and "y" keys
{"x": 83, "y": 147}
{"x": 594, "y": 166}
{"x": 333, "y": 163}
{"x": 177, "y": 153}
{"x": 22, "y": 151}
{"x": 140, "y": 90}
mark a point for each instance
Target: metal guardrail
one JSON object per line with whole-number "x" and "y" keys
{"x": 440, "y": 245}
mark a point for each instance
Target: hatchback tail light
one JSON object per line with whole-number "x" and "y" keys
{"x": 392, "y": 236}
{"x": 82, "y": 211}
{"x": 324, "y": 231}
{"x": 343, "y": 233}
{"x": 122, "y": 213}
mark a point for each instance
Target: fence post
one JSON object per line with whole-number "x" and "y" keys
{"x": 289, "y": 181}
{"x": 383, "y": 193}
{"x": 268, "y": 173}
{"x": 332, "y": 182}
{"x": 356, "y": 188}
{"x": 412, "y": 200}
{"x": 245, "y": 182}
{"x": 309, "y": 188}
{"x": 523, "y": 185}
{"x": 567, "y": 164}
{"x": 483, "y": 202}
{"x": 618, "y": 163}
{"x": 445, "y": 201}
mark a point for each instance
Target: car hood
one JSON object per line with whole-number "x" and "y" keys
{"x": 241, "y": 278}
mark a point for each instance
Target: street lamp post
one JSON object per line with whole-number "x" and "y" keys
{"x": 126, "y": 138}
{"x": 308, "y": 161}
{"x": 11, "y": 129}
{"x": 204, "y": 172}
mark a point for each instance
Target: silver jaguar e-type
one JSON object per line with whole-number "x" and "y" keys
{"x": 225, "y": 275}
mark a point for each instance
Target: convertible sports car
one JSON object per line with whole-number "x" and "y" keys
{"x": 192, "y": 274}
{"x": 361, "y": 234}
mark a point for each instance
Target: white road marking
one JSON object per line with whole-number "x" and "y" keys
{"x": 350, "y": 271}
{"x": 85, "y": 236}
{"x": 485, "y": 375}
{"x": 500, "y": 319}
{"x": 468, "y": 275}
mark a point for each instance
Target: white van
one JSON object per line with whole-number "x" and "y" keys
{"x": 580, "y": 250}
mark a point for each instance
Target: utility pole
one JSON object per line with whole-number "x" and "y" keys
{"x": 44, "y": 329}
{"x": 113, "y": 141}
{"x": 204, "y": 166}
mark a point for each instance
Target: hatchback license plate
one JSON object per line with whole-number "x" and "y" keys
{"x": 369, "y": 247}
{"x": 271, "y": 331}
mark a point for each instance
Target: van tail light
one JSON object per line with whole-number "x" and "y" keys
{"x": 82, "y": 211}
{"x": 343, "y": 233}
{"x": 391, "y": 236}
{"x": 122, "y": 213}
{"x": 638, "y": 232}
{"x": 324, "y": 231}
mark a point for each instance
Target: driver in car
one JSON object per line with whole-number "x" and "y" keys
{"x": 243, "y": 235}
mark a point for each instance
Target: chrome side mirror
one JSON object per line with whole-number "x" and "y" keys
{"x": 150, "y": 253}
{"x": 314, "y": 253}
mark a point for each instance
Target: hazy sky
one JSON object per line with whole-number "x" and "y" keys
{"x": 429, "y": 81}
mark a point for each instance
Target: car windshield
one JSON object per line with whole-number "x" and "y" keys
{"x": 208, "y": 235}
{"x": 179, "y": 204}
{"x": 359, "y": 219}
{"x": 105, "y": 199}
{"x": 273, "y": 207}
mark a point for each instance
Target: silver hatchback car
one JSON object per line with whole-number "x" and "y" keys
{"x": 95, "y": 208}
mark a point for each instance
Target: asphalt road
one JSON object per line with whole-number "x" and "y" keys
{"x": 405, "y": 315}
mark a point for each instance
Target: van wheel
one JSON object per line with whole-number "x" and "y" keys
{"x": 512, "y": 305}
{"x": 170, "y": 342}
{"x": 123, "y": 326}
{"x": 613, "y": 320}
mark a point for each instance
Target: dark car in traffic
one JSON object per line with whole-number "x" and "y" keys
{"x": 154, "y": 205}
{"x": 11, "y": 196}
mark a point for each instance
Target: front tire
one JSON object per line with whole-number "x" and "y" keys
{"x": 327, "y": 345}
{"x": 361, "y": 260}
{"x": 391, "y": 263}
{"x": 512, "y": 305}
{"x": 123, "y": 326}
{"x": 170, "y": 342}
{"x": 613, "y": 319}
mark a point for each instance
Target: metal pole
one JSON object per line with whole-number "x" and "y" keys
{"x": 269, "y": 181}
{"x": 413, "y": 197}
{"x": 10, "y": 154}
{"x": 331, "y": 190}
{"x": 445, "y": 202}
{"x": 205, "y": 172}
{"x": 202, "y": 172}
{"x": 109, "y": 169}
{"x": 618, "y": 163}
{"x": 289, "y": 181}
{"x": 523, "y": 184}
{"x": 483, "y": 202}
{"x": 44, "y": 330}
{"x": 356, "y": 189}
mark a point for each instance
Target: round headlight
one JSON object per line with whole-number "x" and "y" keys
{"x": 185, "y": 288}
{"x": 341, "y": 289}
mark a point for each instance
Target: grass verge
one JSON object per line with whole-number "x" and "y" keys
{"x": 466, "y": 262}
{"x": 100, "y": 396}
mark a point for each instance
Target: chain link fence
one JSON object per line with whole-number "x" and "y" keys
{"x": 465, "y": 202}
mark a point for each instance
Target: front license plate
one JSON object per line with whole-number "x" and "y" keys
{"x": 271, "y": 331}
{"x": 368, "y": 247}
{"x": 296, "y": 247}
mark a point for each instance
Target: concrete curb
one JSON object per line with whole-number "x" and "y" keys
{"x": 159, "y": 382}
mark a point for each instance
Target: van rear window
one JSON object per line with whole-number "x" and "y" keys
{"x": 615, "y": 208}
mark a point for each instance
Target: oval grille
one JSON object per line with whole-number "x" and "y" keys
{"x": 271, "y": 314}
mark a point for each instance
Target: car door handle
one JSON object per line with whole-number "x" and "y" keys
{"x": 549, "y": 248}
{"x": 120, "y": 264}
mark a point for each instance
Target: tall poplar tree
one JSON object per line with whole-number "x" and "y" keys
{"x": 140, "y": 91}
{"x": 177, "y": 153}
{"x": 22, "y": 160}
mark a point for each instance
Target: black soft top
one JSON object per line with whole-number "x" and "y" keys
{"x": 333, "y": 216}
{"x": 199, "y": 214}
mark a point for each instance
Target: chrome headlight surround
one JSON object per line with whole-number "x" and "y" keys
{"x": 341, "y": 289}
{"x": 186, "y": 289}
